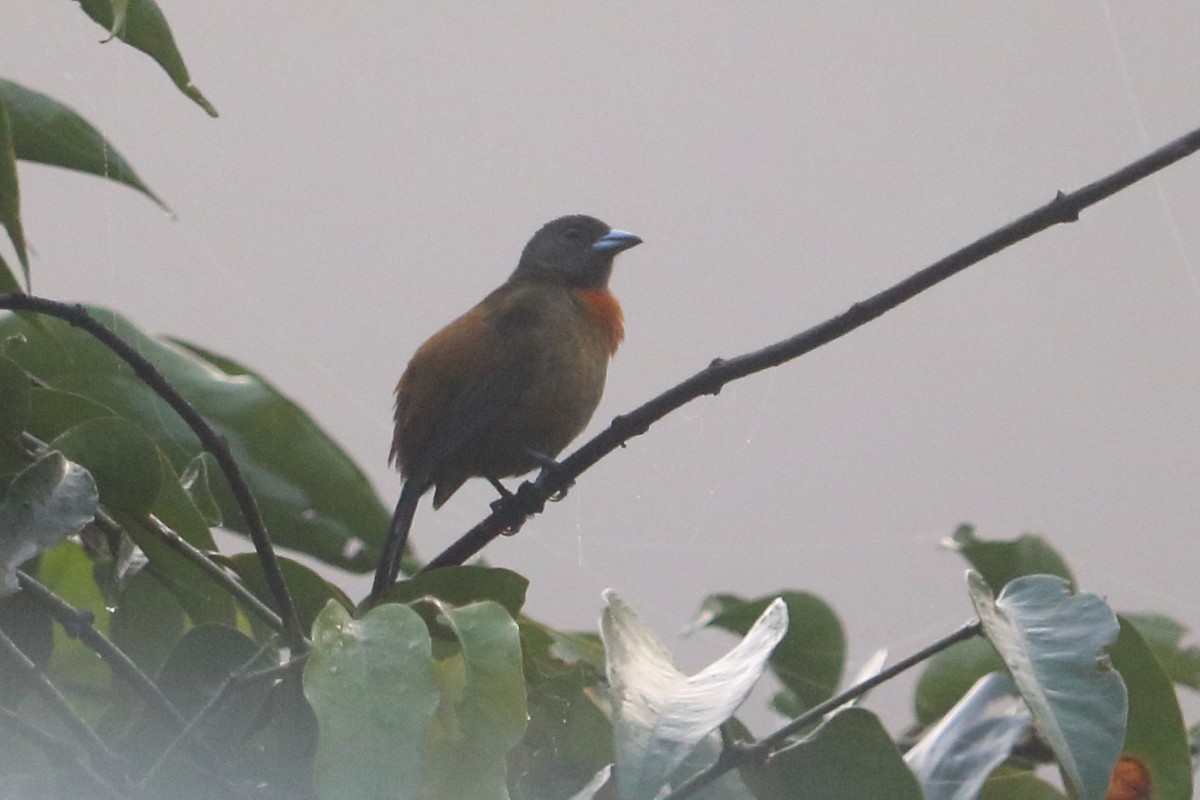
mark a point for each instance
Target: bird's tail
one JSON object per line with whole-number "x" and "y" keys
{"x": 397, "y": 537}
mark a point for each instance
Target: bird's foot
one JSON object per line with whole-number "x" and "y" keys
{"x": 549, "y": 468}
{"x": 529, "y": 499}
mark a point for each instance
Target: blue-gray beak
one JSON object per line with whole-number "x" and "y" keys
{"x": 615, "y": 241}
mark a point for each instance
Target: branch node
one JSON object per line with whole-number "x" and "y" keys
{"x": 78, "y": 622}
{"x": 1066, "y": 211}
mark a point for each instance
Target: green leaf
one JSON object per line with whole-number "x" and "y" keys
{"x": 147, "y": 622}
{"x": 1155, "y": 735}
{"x": 372, "y": 684}
{"x": 460, "y": 586}
{"x": 1165, "y": 639}
{"x": 1000, "y": 561}
{"x": 1054, "y": 644}
{"x": 135, "y": 480}
{"x": 949, "y": 675}
{"x": 195, "y": 482}
{"x": 141, "y": 24}
{"x": 661, "y": 715}
{"x": 199, "y": 667}
{"x": 15, "y": 405}
{"x": 121, "y": 458}
{"x": 569, "y": 736}
{"x": 223, "y": 713}
{"x": 10, "y": 200}
{"x": 310, "y": 592}
{"x": 283, "y": 756}
{"x": 1010, "y": 783}
{"x": 810, "y": 659}
{"x": 30, "y": 628}
{"x": 849, "y": 757}
{"x": 482, "y": 712}
{"x": 955, "y": 757}
{"x": 8, "y": 281}
{"x": 46, "y": 131}
{"x": 48, "y": 501}
{"x": 312, "y": 496}
{"x": 55, "y": 412}
{"x": 67, "y": 571}
{"x": 204, "y": 600}
{"x": 592, "y": 787}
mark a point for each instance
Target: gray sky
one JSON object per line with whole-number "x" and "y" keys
{"x": 372, "y": 175}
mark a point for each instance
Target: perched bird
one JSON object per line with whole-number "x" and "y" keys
{"x": 505, "y": 387}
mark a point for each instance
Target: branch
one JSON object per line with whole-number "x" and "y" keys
{"x": 79, "y": 624}
{"x": 213, "y": 442}
{"x": 59, "y": 753}
{"x": 737, "y": 755}
{"x": 530, "y": 498}
{"x": 172, "y": 539}
{"x": 98, "y": 753}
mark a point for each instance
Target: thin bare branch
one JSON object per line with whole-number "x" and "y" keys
{"x": 510, "y": 513}
{"x": 738, "y": 755}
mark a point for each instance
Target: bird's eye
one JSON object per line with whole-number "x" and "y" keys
{"x": 571, "y": 233}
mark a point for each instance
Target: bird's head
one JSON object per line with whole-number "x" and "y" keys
{"x": 577, "y": 250}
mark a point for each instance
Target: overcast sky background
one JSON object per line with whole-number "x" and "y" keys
{"x": 374, "y": 173}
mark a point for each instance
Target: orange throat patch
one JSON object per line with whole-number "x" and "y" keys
{"x": 606, "y": 312}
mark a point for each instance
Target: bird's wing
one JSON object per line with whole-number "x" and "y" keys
{"x": 466, "y": 378}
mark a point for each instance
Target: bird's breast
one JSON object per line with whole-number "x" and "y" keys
{"x": 605, "y": 313}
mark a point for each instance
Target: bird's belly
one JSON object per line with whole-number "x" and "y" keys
{"x": 554, "y": 409}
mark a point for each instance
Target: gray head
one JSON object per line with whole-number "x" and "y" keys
{"x": 577, "y": 250}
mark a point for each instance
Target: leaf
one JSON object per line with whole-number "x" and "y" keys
{"x": 1054, "y": 643}
{"x": 482, "y": 713}
{"x": 196, "y": 483}
{"x": 147, "y": 622}
{"x": 46, "y": 131}
{"x": 86, "y": 680}
{"x": 8, "y": 281}
{"x": 141, "y": 24}
{"x": 849, "y": 757}
{"x": 121, "y": 458}
{"x": 15, "y": 405}
{"x": 589, "y": 790}
{"x": 569, "y": 736}
{"x": 810, "y": 659}
{"x": 1000, "y": 561}
{"x": 1155, "y": 736}
{"x": 48, "y": 501}
{"x": 222, "y": 712}
{"x": 55, "y": 412}
{"x": 372, "y": 685}
{"x": 950, "y": 674}
{"x": 1164, "y": 636}
{"x": 10, "y": 200}
{"x": 1010, "y": 783}
{"x": 463, "y": 585}
{"x": 312, "y": 496}
{"x": 310, "y": 592}
{"x": 955, "y": 757}
{"x": 660, "y": 715}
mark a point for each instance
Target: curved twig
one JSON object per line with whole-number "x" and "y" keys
{"x": 530, "y": 498}
{"x": 212, "y": 441}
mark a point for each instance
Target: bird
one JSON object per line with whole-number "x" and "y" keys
{"x": 505, "y": 387}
